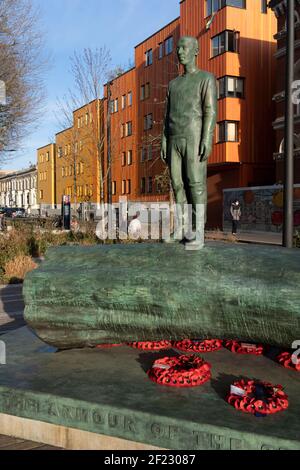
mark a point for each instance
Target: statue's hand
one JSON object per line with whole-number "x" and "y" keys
{"x": 163, "y": 151}
{"x": 205, "y": 151}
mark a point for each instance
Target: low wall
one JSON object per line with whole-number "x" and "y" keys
{"x": 261, "y": 206}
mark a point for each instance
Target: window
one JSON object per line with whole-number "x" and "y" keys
{"x": 86, "y": 118}
{"x": 169, "y": 45}
{"x": 225, "y": 42}
{"x": 233, "y": 3}
{"x": 123, "y": 187}
{"x": 80, "y": 145}
{"x": 128, "y": 189}
{"x": 128, "y": 128}
{"x": 81, "y": 167}
{"x": 160, "y": 50}
{"x": 214, "y": 5}
{"x": 122, "y": 130}
{"x": 143, "y": 154}
{"x": 148, "y": 122}
{"x": 116, "y": 105}
{"x": 149, "y": 57}
{"x": 145, "y": 91}
{"x": 150, "y": 152}
{"x": 41, "y": 194}
{"x": 123, "y": 101}
{"x": 78, "y": 123}
{"x": 113, "y": 188}
{"x": 150, "y": 184}
{"x": 69, "y": 149}
{"x": 66, "y": 150}
{"x": 76, "y": 147}
{"x": 130, "y": 98}
{"x": 63, "y": 171}
{"x": 129, "y": 157}
{"x": 264, "y": 6}
{"x": 123, "y": 158}
{"x": 228, "y": 131}
{"x": 231, "y": 86}
{"x": 143, "y": 185}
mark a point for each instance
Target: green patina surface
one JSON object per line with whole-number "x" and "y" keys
{"x": 83, "y": 296}
{"x": 108, "y": 392}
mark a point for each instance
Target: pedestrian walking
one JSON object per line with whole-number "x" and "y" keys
{"x": 236, "y": 214}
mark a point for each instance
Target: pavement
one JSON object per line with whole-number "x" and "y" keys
{"x": 11, "y": 443}
{"x": 265, "y": 238}
{"x": 11, "y": 308}
{"x": 268, "y": 238}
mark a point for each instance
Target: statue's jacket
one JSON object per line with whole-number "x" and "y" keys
{"x": 191, "y": 106}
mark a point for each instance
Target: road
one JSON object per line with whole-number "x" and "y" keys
{"x": 11, "y": 308}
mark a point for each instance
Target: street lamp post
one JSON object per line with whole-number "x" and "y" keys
{"x": 288, "y": 227}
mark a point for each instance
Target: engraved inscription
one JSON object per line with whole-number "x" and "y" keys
{"x": 206, "y": 440}
{"x": 164, "y": 431}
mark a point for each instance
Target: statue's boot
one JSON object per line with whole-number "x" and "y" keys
{"x": 178, "y": 235}
{"x": 195, "y": 240}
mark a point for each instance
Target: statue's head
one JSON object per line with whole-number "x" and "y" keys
{"x": 187, "y": 49}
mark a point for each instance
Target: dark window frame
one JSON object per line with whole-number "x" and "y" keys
{"x": 128, "y": 129}
{"x": 148, "y": 122}
{"x": 223, "y": 42}
{"x": 149, "y": 57}
{"x": 160, "y": 50}
{"x": 225, "y": 131}
{"x": 150, "y": 185}
{"x": 227, "y": 93}
{"x": 168, "y": 41}
{"x": 212, "y": 6}
{"x": 264, "y": 6}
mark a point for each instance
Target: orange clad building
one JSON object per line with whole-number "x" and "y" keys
{"x": 238, "y": 49}
{"x": 46, "y": 178}
{"x": 78, "y": 156}
{"x": 120, "y": 149}
{"x": 236, "y": 44}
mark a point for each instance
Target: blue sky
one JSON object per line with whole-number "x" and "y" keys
{"x": 75, "y": 24}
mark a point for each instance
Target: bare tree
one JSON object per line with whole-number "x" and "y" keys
{"x": 21, "y": 67}
{"x": 91, "y": 69}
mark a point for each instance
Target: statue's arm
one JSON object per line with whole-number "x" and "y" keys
{"x": 165, "y": 129}
{"x": 209, "y": 107}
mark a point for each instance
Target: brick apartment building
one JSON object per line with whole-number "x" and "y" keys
{"x": 236, "y": 44}
{"x": 279, "y": 8}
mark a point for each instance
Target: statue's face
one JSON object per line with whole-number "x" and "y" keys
{"x": 186, "y": 50}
